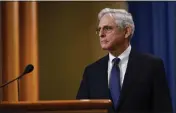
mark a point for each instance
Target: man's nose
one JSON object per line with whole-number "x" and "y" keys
{"x": 101, "y": 33}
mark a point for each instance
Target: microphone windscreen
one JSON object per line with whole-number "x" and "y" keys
{"x": 29, "y": 68}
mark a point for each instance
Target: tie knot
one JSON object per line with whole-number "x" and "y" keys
{"x": 116, "y": 60}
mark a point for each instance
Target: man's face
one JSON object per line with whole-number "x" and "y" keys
{"x": 111, "y": 36}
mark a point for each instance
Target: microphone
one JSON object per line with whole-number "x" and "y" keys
{"x": 29, "y": 68}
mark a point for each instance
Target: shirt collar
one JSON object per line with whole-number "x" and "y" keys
{"x": 123, "y": 56}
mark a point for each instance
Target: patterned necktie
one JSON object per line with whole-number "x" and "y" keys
{"x": 115, "y": 82}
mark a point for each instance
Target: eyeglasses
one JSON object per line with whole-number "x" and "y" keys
{"x": 106, "y": 29}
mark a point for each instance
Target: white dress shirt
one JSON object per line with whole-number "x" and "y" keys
{"x": 122, "y": 64}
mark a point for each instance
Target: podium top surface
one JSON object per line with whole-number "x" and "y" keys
{"x": 57, "y": 104}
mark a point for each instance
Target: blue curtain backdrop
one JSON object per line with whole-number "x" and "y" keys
{"x": 155, "y": 33}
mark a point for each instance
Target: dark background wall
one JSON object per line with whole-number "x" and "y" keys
{"x": 67, "y": 43}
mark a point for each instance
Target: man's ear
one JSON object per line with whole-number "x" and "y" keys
{"x": 128, "y": 31}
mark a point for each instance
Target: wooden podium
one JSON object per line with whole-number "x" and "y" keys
{"x": 56, "y": 106}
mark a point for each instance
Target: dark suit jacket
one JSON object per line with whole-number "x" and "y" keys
{"x": 144, "y": 89}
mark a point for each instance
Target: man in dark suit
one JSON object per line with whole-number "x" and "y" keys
{"x": 135, "y": 82}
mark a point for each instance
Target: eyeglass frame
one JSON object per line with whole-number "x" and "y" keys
{"x": 106, "y": 29}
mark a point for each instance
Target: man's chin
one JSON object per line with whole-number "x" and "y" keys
{"x": 105, "y": 48}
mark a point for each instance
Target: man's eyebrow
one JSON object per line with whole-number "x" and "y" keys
{"x": 103, "y": 26}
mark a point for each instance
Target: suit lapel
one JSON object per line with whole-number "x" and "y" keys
{"x": 103, "y": 67}
{"x": 129, "y": 75}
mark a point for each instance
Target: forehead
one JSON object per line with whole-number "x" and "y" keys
{"x": 107, "y": 19}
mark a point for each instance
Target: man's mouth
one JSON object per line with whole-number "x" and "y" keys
{"x": 104, "y": 41}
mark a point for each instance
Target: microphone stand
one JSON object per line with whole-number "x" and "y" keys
{"x": 29, "y": 68}
{"x": 18, "y": 83}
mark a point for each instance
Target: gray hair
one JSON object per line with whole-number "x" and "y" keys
{"x": 122, "y": 17}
